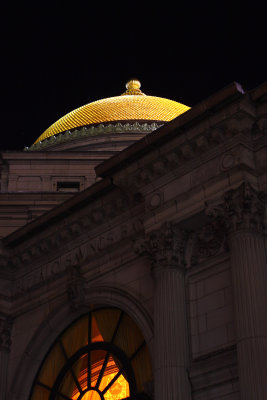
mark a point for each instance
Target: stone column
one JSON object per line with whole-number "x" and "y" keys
{"x": 171, "y": 358}
{"x": 5, "y": 342}
{"x": 243, "y": 211}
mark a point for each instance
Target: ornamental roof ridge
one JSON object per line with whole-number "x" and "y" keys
{"x": 95, "y": 130}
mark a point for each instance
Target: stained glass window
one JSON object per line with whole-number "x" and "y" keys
{"x": 102, "y": 356}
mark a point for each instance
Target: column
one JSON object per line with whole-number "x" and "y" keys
{"x": 244, "y": 213}
{"x": 171, "y": 358}
{"x": 5, "y": 342}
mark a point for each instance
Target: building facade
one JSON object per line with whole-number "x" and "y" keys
{"x": 133, "y": 252}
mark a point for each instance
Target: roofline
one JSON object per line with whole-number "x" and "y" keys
{"x": 126, "y": 156}
{"x": 193, "y": 115}
{"x": 60, "y": 211}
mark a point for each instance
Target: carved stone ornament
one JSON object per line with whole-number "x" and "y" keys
{"x": 5, "y": 333}
{"x": 95, "y": 216}
{"x": 165, "y": 246}
{"x": 209, "y": 241}
{"x": 89, "y": 131}
{"x": 76, "y": 288}
{"x": 243, "y": 209}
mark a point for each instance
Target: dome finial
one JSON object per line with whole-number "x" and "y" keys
{"x": 133, "y": 84}
{"x": 133, "y": 88}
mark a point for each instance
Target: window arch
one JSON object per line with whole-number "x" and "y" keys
{"x": 101, "y": 356}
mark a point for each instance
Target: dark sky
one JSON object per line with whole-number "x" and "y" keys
{"x": 61, "y": 55}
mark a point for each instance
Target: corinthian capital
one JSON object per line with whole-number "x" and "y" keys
{"x": 165, "y": 246}
{"x": 243, "y": 209}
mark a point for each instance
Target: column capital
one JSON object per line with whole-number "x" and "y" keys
{"x": 165, "y": 246}
{"x": 243, "y": 209}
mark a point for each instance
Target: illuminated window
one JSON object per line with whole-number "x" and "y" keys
{"x": 102, "y": 356}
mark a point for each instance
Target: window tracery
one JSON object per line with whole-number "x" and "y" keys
{"x": 102, "y": 356}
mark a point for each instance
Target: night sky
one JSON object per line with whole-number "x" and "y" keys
{"x": 61, "y": 55}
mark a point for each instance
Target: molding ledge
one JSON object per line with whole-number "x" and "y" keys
{"x": 100, "y": 129}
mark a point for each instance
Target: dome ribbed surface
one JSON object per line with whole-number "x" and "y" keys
{"x": 127, "y": 107}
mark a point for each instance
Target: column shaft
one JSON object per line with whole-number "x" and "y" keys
{"x": 4, "y": 355}
{"x": 171, "y": 340}
{"x": 249, "y": 271}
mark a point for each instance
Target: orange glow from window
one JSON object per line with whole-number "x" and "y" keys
{"x": 119, "y": 389}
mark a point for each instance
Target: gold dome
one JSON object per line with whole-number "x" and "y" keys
{"x": 133, "y": 105}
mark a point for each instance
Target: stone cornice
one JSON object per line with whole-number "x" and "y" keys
{"x": 49, "y": 264}
{"x": 94, "y": 215}
{"x": 186, "y": 149}
{"x": 77, "y": 202}
{"x": 232, "y": 95}
{"x": 101, "y": 129}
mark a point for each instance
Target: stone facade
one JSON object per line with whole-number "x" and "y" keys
{"x": 172, "y": 231}
{"x": 34, "y": 182}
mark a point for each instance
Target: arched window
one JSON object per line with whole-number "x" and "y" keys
{"x": 101, "y": 356}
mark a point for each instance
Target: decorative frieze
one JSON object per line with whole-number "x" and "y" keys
{"x": 74, "y": 229}
{"x": 75, "y": 257}
{"x": 97, "y": 130}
